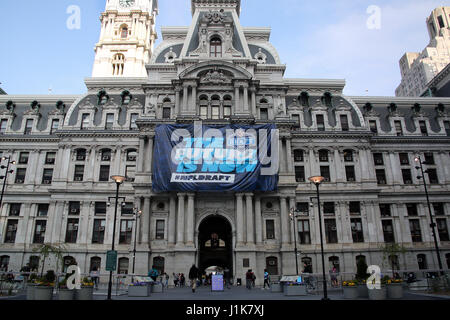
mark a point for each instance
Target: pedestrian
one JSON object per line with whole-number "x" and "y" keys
{"x": 94, "y": 276}
{"x": 153, "y": 273}
{"x": 253, "y": 279}
{"x": 182, "y": 280}
{"x": 166, "y": 280}
{"x": 175, "y": 279}
{"x": 333, "y": 275}
{"x": 266, "y": 279}
{"x": 226, "y": 276}
{"x": 193, "y": 275}
{"x": 249, "y": 279}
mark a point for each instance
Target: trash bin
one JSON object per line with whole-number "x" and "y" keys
{"x": 238, "y": 282}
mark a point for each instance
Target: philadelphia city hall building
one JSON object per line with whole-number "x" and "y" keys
{"x": 155, "y": 116}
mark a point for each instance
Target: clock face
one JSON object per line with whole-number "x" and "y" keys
{"x": 126, "y": 3}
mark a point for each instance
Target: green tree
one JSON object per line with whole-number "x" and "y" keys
{"x": 389, "y": 251}
{"x": 45, "y": 250}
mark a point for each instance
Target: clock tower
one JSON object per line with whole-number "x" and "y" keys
{"x": 126, "y": 40}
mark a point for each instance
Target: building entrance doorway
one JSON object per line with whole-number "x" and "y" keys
{"x": 215, "y": 242}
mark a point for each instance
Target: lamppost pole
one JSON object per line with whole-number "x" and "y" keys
{"x": 136, "y": 219}
{"x": 118, "y": 180}
{"x": 317, "y": 181}
{"x": 432, "y": 225}
{"x": 5, "y": 177}
{"x": 293, "y": 216}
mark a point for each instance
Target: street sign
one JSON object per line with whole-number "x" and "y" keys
{"x": 111, "y": 260}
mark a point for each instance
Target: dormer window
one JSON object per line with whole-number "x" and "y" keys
{"x": 215, "y": 48}
{"x": 3, "y": 124}
{"x": 28, "y": 126}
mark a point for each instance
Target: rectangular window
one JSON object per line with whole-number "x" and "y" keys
{"x": 226, "y": 112}
{"x": 385, "y": 210}
{"x": 3, "y": 124}
{"x": 246, "y": 263}
{"x": 344, "y": 123}
{"x": 320, "y": 122}
{"x": 407, "y": 178}
{"x": 328, "y": 208}
{"x": 299, "y": 156}
{"x": 203, "y": 112}
{"x": 55, "y": 126}
{"x": 106, "y": 155}
{"x": 104, "y": 174}
{"x": 23, "y": 157}
{"x": 398, "y": 128}
{"x": 160, "y": 226}
{"x": 98, "y": 234}
{"x": 300, "y": 174}
{"x": 325, "y": 172}
{"x": 79, "y": 173}
{"x": 441, "y": 22}
{"x": 416, "y": 233}
{"x": 72, "y": 231}
{"x": 378, "y": 159}
{"x": 81, "y": 155}
{"x": 11, "y": 231}
{"x": 404, "y": 159}
{"x": 388, "y": 231}
{"x": 85, "y": 120}
{"x": 447, "y": 128}
{"x": 439, "y": 209}
{"x": 423, "y": 128}
{"x": 47, "y": 177}
{"x": 296, "y": 119}
{"x": 373, "y": 126}
{"x": 167, "y": 113}
{"x": 14, "y": 209}
{"x": 264, "y": 114}
{"x": 134, "y": 117}
{"x": 429, "y": 158}
{"x": 43, "y": 210}
{"x": 39, "y": 231}
{"x": 100, "y": 208}
{"x": 304, "y": 232}
{"x": 215, "y": 112}
{"x": 331, "y": 231}
{"x": 50, "y": 158}
{"x": 411, "y": 208}
{"x": 432, "y": 175}
{"x": 350, "y": 173}
{"x": 127, "y": 209}
{"x": 29, "y": 126}
{"x": 20, "y": 175}
{"x": 442, "y": 229}
{"x": 74, "y": 208}
{"x": 381, "y": 176}
{"x": 109, "y": 121}
{"x": 126, "y": 230}
{"x": 270, "y": 229}
{"x": 355, "y": 208}
{"x": 357, "y": 230}
{"x": 303, "y": 208}
{"x": 130, "y": 173}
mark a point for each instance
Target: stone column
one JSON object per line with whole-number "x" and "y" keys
{"x": 443, "y": 169}
{"x": 149, "y": 162}
{"x": 172, "y": 219}
{"x": 236, "y": 99}
{"x": 57, "y": 222}
{"x": 250, "y": 220}
{"x": 185, "y": 98}
{"x": 194, "y": 99}
{"x": 177, "y": 101}
{"x": 145, "y": 220}
{"x": 239, "y": 219}
{"x": 253, "y": 92}
{"x": 258, "y": 220}
{"x": 180, "y": 220}
{"x": 292, "y": 204}
{"x": 364, "y": 165}
{"x": 190, "y": 220}
{"x": 246, "y": 99}
{"x": 284, "y": 220}
{"x": 395, "y": 172}
{"x": 290, "y": 162}
{"x": 339, "y": 166}
{"x": 315, "y": 168}
{"x": 142, "y": 152}
{"x": 282, "y": 156}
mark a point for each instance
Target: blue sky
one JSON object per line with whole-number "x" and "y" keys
{"x": 321, "y": 39}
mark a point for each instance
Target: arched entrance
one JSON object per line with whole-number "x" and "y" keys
{"x": 215, "y": 243}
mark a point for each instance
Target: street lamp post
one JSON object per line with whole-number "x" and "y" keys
{"x": 137, "y": 216}
{"x": 317, "y": 180}
{"x": 432, "y": 225}
{"x": 118, "y": 180}
{"x": 293, "y": 215}
{"x": 5, "y": 177}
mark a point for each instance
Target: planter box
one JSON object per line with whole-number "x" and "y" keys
{"x": 66, "y": 294}
{"x": 43, "y": 293}
{"x": 139, "y": 291}
{"x": 378, "y": 294}
{"x": 276, "y": 287}
{"x": 85, "y": 293}
{"x": 30, "y": 291}
{"x": 351, "y": 293}
{"x": 395, "y": 291}
{"x": 157, "y": 288}
{"x": 363, "y": 291}
{"x": 295, "y": 290}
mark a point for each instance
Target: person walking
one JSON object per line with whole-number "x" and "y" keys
{"x": 166, "y": 280}
{"x": 226, "y": 276}
{"x": 94, "y": 276}
{"x": 193, "y": 275}
{"x": 175, "y": 279}
{"x": 333, "y": 276}
{"x": 266, "y": 279}
{"x": 182, "y": 280}
{"x": 249, "y": 279}
{"x": 153, "y": 274}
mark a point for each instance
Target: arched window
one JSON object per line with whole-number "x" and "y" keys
{"x": 334, "y": 262}
{"x": 422, "y": 261}
{"x": 227, "y": 105}
{"x": 67, "y": 262}
{"x": 167, "y": 108}
{"x": 272, "y": 265}
{"x": 118, "y": 64}
{"x": 215, "y": 107}
{"x": 326, "y": 99}
{"x": 204, "y": 107}
{"x": 123, "y": 266}
{"x": 216, "y": 48}
{"x": 34, "y": 263}
{"x": 95, "y": 263}
{"x": 307, "y": 265}
{"x": 159, "y": 264}
{"x": 4, "y": 263}
{"x": 304, "y": 99}
{"x": 124, "y": 31}
{"x": 263, "y": 100}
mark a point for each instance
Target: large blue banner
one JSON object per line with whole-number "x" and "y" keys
{"x": 196, "y": 157}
